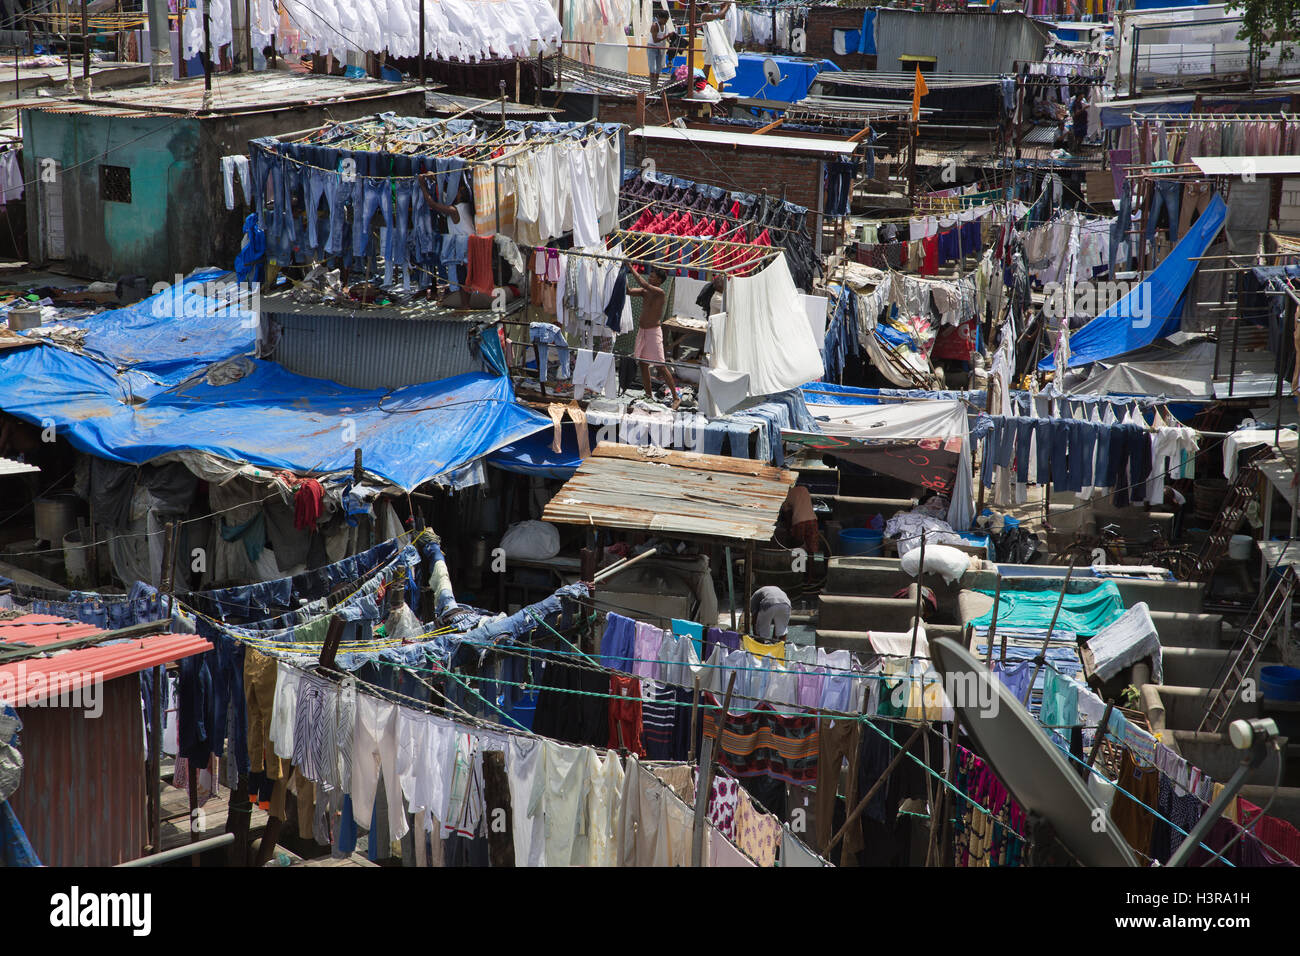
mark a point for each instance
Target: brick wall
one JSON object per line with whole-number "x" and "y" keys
{"x": 744, "y": 168}
{"x": 822, "y": 24}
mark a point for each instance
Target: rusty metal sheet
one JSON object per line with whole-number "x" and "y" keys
{"x": 677, "y": 494}
{"x": 82, "y": 798}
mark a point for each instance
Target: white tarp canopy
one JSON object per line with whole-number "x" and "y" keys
{"x": 927, "y": 434}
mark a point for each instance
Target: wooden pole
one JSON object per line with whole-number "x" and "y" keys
{"x": 862, "y": 804}
{"x": 85, "y": 43}
{"x": 1047, "y": 639}
{"x": 422, "y": 42}
{"x": 993, "y": 623}
{"x": 707, "y": 763}
{"x": 690, "y": 51}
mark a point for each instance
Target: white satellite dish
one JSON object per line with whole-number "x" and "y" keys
{"x": 772, "y": 72}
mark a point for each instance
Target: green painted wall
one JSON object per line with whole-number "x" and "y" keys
{"x": 109, "y": 239}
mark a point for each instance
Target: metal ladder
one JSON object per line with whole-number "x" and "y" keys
{"x": 1253, "y": 641}
{"x": 1243, "y": 490}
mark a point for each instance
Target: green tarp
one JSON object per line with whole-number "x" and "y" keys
{"x": 1088, "y": 607}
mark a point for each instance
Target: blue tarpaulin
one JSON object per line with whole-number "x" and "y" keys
{"x": 1152, "y": 310}
{"x": 272, "y": 418}
{"x": 533, "y": 455}
{"x": 797, "y": 75}
{"x": 171, "y": 335}
{"x": 138, "y": 393}
{"x": 867, "y": 36}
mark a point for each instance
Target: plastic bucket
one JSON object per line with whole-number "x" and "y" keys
{"x": 1280, "y": 682}
{"x": 1239, "y": 547}
{"x": 75, "y": 558}
{"x": 55, "y": 517}
{"x": 860, "y": 541}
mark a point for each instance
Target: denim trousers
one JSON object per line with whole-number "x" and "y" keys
{"x": 1043, "y": 437}
{"x": 1119, "y": 230}
{"x": 374, "y": 196}
{"x": 1101, "y": 458}
{"x": 1024, "y": 435}
{"x": 1060, "y": 432}
{"x": 321, "y": 184}
{"x": 544, "y": 336}
{"x": 1167, "y": 195}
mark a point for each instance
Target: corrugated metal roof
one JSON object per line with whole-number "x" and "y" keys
{"x": 36, "y": 678}
{"x": 678, "y": 494}
{"x": 368, "y": 351}
{"x": 10, "y": 467}
{"x": 720, "y": 137}
{"x": 231, "y": 93}
{"x": 449, "y": 104}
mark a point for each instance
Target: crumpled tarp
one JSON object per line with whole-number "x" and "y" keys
{"x": 1130, "y": 638}
{"x": 271, "y": 418}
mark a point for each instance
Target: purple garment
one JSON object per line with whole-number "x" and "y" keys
{"x": 1015, "y": 676}
{"x": 646, "y": 656}
{"x": 729, "y": 640}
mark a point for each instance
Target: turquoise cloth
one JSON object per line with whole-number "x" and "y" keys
{"x": 1085, "y": 612}
{"x": 252, "y": 532}
{"x": 1060, "y": 704}
{"x": 692, "y": 630}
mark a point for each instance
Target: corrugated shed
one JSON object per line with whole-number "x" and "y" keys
{"x": 678, "y": 494}
{"x": 367, "y": 351}
{"x": 962, "y": 42}
{"x": 82, "y": 797}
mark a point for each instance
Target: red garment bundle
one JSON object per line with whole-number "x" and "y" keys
{"x": 308, "y": 502}
{"x": 625, "y": 714}
{"x": 478, "y": 277}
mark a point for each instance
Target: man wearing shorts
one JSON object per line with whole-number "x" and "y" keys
{"x": 650, "y": 336}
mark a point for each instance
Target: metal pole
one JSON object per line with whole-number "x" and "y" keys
{"x": 181, "y": 852}
{"x": 422, "y": 42}
{"x": 993, "y": 624}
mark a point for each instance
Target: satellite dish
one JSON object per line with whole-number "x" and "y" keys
{"x": 772, "y": 72}
{"x": 1040, "y": 779}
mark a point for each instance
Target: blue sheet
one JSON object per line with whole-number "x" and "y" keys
{"x": 533, "y": 455}
{"x": 169, "y": 336}
{"x": 271, "y": 418}
{"x": 1152, "y": 310}
{"x": 797, "y": 76}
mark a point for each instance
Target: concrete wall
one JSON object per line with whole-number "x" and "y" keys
{"x": 963, "y": 42}
{"x": 177, "y": 218}
{"x": 110, "y": 239}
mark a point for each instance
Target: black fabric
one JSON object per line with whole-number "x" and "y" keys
{"x": 575, "y": 718}
{"x": 111, "y": 486}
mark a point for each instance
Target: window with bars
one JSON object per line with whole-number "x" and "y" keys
{"x": 115, "y": 183}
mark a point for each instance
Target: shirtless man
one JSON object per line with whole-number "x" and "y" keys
{"x": 650, "y": 336}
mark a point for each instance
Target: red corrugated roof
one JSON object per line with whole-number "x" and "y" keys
{"x": 36, "y": 678}
{"x": 38, "y": 629}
